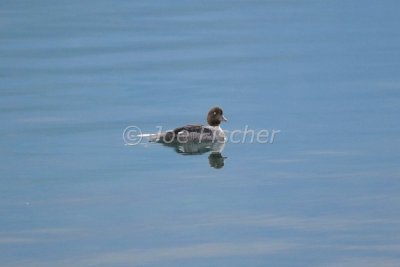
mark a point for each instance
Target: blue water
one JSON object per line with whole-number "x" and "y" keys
{"x": 75, "y": 74}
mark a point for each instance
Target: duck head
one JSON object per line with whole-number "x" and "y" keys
{"x": 215, "y": 116}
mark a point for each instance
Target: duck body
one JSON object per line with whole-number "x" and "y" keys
{"x": 193, "y": 133}
{"x": 196, "y": 132}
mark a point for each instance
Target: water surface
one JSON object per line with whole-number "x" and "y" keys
{"x": 75, "y": 74}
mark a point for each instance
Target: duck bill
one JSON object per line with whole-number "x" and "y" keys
{"x": 223, "y": 118}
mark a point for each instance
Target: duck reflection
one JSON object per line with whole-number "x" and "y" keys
{"x": 215, "y": 159}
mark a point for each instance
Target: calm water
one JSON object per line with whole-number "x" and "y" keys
{"x": 75, "y": 74}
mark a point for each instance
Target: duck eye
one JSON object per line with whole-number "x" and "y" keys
{"x": 215, "y": 113}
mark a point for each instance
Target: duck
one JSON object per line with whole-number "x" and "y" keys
{"x": 196, "y": 133}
